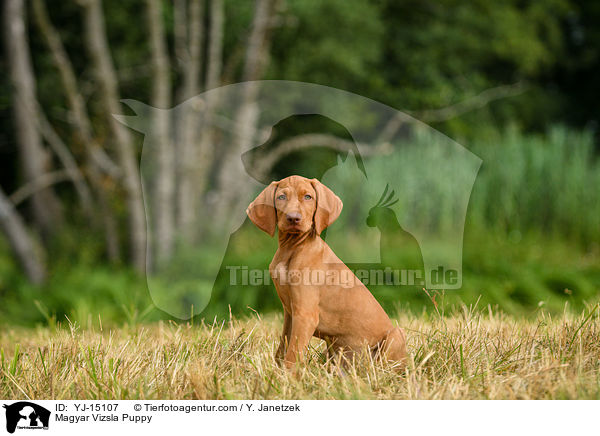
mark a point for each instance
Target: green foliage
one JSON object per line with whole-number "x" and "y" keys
{"x": 86, "y": 295}
{"x": 334, "y": 43}
{"x": 439, "y": 53}
{"x": 546, "y": 184}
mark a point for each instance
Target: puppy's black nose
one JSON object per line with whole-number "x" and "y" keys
{"x": 293, "y": 218}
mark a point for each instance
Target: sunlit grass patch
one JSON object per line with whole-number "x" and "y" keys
{"x": 467, "y": 354}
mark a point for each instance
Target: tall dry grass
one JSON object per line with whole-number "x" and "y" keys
{"x": 465, "y": 355}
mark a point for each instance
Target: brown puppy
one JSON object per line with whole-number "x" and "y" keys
{"x": 320, "y": 295}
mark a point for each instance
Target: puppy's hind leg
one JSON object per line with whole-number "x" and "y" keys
{"x": 338, "y": 358}
{"x": 393, "y": 346}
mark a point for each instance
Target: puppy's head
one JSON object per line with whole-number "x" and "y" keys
{"x": 295, "y": 205}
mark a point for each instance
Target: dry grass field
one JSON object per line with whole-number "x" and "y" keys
{"x": 466, "y": 355}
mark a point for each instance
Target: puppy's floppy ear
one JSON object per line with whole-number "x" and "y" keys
{"x": 329, "y": 206}
{"x": 262, "y": 210}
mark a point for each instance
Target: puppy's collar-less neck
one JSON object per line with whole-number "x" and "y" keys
{"x": 295, "y": 239}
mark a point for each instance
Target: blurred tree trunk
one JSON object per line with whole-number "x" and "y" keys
{"x": 83, "y": 126}
{"x": 105, "y": 75}
{"x": 215, "y": 45}
{"x": 214, "y": 61}
{"x": 35, "y": 160}
{"x": 21, "y": 241}
{"x": 189, "y": 50}
{"x": 180, "y": 32}
{"x": 230, "y": 186}
{"x": 163, "y": 194}
{"x": 67, "y": 160}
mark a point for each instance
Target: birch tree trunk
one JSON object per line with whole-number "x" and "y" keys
{"x": 215, "y": 45}
{"x": 66, "y": 159}
{"x": 187, "y": 153}
{"x": 21, "y": 242}
{"x": 95, "y": 35}
{"x": 163, "y": 202}
{"x": 214, "y": 60}
{"x": 230, "y": 185}
{"x": 83, "y": 126}
{"x": 35, "y": 160}
{"x": 180, "y": 32}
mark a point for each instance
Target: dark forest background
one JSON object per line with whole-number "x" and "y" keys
{"x": 514, "y": 81}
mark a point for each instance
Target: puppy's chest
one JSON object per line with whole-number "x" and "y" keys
{"x": 283, "y": 278}
{"x": 280, "y": 272}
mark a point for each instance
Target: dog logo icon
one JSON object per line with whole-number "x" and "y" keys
{"x": 26, "y": 415}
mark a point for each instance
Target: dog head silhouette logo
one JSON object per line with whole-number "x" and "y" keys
{"x": 26, "y": 415}
{"x": 220, "y": 151}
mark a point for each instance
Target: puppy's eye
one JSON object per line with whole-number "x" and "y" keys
{"x": 281, "y": 197}
{"x": 307, "y": 197}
